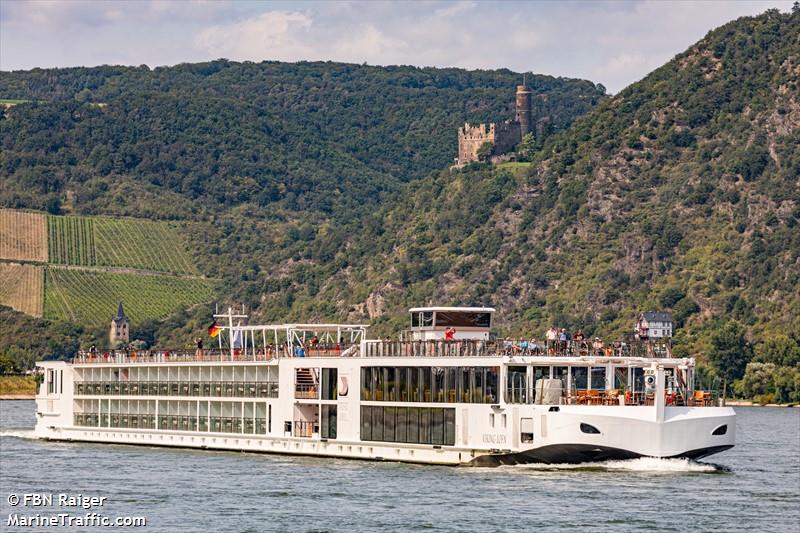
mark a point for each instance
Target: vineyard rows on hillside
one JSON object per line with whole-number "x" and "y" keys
{"x": 104, "y": 241}
{"x": 23, "y": 236}
{"x": 71, "y": 240}
{"x": 141, "y": 244}
{"x": 22, "y": 287}
{"x": 91, "y": 297}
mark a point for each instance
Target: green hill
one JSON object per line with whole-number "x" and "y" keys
{"x": 320, "y": 138}
{"x": 316, "y": 190}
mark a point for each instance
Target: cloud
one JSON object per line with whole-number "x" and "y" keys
{"x": 613, "y": 42}
{"x": 278, "y": 35}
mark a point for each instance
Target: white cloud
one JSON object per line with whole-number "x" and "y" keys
{"x": 614, "y": 43}
{"x": 279, "y": 35}
{"x": 367, "y": 44}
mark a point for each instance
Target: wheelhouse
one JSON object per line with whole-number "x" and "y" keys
{"x": 469, "y": 323}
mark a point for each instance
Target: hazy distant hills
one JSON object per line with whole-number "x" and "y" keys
{"x": 320, "y": 190}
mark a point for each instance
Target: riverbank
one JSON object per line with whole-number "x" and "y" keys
{"x": 751, "y": 403}
{"x": 17, "y": 387}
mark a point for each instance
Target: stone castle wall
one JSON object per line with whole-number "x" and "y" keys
{"x": 504, "y": 136}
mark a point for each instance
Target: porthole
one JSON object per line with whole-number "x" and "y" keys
{"x": 723, "y": 429}
{"x": 588, "y": 428}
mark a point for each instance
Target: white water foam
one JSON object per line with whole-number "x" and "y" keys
{"x": 18, "y": 433}
{"x": 641, "y": 464}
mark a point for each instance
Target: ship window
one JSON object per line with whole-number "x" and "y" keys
{"x": 598, "y": 378}
{"x": 429, "y": 384}
{"x": 328, "y": 429}
{"x": 329, "y": 381}
{"x": 723, "y": 429}
{"x": 50, "y": 381}
{"x": 401, "y": 425}
{"x": 588, "y": 428}
{"x": 580, "y": 378}
{"x": 269, "y": 418}
{"x": 463, "y": 319}
{"x": 408, "y": 424}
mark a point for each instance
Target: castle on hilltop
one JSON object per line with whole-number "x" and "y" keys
{"x": 502, "y": 136}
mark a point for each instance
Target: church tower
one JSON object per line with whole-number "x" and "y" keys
{"x": 119, "y": 327}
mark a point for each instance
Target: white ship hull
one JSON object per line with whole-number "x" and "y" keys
{"x": 292, "y": 421}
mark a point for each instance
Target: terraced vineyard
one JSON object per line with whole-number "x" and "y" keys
{"x": 23, "y": 236}
{"x": 22, "y": 287}
{"x": 71, "y": 240}
{"x": 124, "y": 242}
{"x": 141, "y": 244}
{"x": 90, "y": 297}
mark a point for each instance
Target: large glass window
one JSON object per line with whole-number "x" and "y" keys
{"x": 328, "y": 422}
{"x": 408, "y": 424}
{"x": 463, "y": 319}
{"x": 329, "y": 382}
{"x": 430, "y": 384}
{"x": 516, "y": 384}
{"x": 580, "y": 378}
{"x": 598, "y": 378}
{"x": 422, "y": 319}
{"x": 621, "y": 378}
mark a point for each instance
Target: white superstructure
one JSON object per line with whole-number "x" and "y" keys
{"x": 324, "y": 389}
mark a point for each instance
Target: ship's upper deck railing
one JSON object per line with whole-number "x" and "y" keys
{"x": 480, "y": 348}
{"x": 385, "y": 348}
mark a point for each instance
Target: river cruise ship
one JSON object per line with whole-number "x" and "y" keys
{"x": 445, "y": 393}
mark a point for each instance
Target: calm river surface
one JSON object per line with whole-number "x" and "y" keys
{"x": 753, "y": 487}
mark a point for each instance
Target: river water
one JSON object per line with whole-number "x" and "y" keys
{"x": 753, "y": 487}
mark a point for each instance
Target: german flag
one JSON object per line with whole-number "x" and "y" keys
{"x": 214, "y": 329}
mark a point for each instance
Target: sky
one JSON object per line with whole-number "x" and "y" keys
{"x": 610, "y": 42}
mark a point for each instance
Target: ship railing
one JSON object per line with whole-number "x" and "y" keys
{"x": 306, "y": 391}
{"x": 612, "y": 397}
{"x": 172, "y": 356}
{"x": 305, "y": 429}
{"x": 480, "y": 348}
{"x": 388, "y": 348}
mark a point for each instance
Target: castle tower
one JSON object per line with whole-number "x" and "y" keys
{"x": 119, "y": 327}
{"x": 523, "y": 116}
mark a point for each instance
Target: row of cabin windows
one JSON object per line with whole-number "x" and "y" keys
{"x": 179, "y": 388}
{"x": 415, "y": 425}
{"x": 439, "y": 384}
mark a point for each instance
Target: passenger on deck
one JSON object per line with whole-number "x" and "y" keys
{"x": 199, "y": 343}
{"x": 508, "y": 345}
{"x": 563, "y": 340}
{"x": 523, "y": 346}
{"x": 597, "y": 346}
{"x": 550, "y": 339}
{"x": 449, "y": 334}
{"x": 299, "y": 351}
